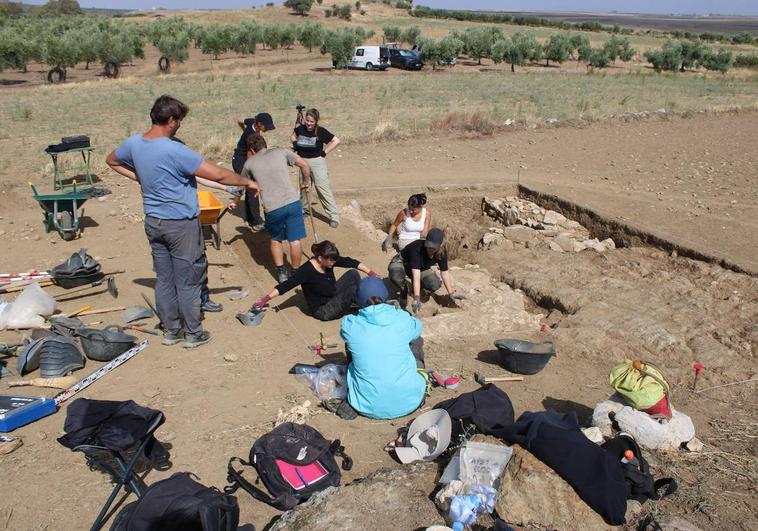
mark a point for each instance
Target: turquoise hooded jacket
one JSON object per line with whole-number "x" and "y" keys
{"x": 382, "y": 380}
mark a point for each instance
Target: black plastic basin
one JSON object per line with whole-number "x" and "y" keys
{"x": 524, "y": 357}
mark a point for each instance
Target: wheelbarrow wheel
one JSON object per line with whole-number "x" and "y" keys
{"x": 66, "y": 224}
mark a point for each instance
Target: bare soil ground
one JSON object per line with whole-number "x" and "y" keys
{"x": 690, "y": 181}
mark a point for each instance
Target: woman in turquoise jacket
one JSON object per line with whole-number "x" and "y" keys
{"x": 384, "y": 343}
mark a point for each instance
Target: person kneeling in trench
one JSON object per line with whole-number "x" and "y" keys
{"x": 415, "y": 262}
{"x": 385, "y": 376}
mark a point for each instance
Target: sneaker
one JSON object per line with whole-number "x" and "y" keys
{"x": 281, "y": 274}
{"x": 172, "y": 337}
{"x": 195, "y": 340}
{"x": 334, "y": 223}
{"x": 259, "y": 227}
{"x": 212, "y": 307}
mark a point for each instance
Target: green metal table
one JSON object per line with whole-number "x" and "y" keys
{"x": 86, "y": 153}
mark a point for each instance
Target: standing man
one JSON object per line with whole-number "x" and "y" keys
{"x": 281, "y": 202}
{"x": 166, "y": 173}
{"x": 261, "y": 123}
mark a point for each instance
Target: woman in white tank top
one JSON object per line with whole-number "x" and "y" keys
{"x": 410, "y": 224}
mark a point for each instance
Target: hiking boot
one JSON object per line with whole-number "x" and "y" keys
{"x": 341, "y": 408}
{"x": 211, "y": 307}
{"x": 281, "y": 274}
{"x": 195, "y": 340}
{"x": 258, "y": 227}
{"x": 334, "y": 223}
{"x": 172, "y": 337}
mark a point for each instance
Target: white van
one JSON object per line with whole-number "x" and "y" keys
{"x": 370, "y": 58}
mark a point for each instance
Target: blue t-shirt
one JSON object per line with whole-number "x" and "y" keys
{"x": 166, "y": 170}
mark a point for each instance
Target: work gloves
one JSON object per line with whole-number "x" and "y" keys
{"x": 261, "y": 303}
{"x": 387, "y": 243}
{"x": 416, "y": 305}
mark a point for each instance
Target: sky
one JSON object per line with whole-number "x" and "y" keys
{"x": 702, "y": 7}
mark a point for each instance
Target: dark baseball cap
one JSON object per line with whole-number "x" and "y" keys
{"x": 434, "y": 238}
{"x": 265, "y": 120}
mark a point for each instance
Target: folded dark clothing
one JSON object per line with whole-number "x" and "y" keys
{"x": 112, "y": 424}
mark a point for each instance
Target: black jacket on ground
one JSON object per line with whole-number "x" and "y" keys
{"x": 556, "y": 440}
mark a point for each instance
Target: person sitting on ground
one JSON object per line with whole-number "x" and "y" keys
{"x": 281, "y": 202}
{"x": 415, "y": 262}
{"x": 327, "y": 298}
{"x": 261, "y": 123}
{"x": 410, "y": 224}
{"x": 385, "y": 348}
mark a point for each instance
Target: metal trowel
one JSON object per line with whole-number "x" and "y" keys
{"x": 252, "y": 317}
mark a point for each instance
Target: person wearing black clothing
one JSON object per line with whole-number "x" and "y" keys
{"x": 313, "y": 142}
{"x": 327, "y": 298}
{"x": 415, "y": 261}
{"x": 261, "y": 123}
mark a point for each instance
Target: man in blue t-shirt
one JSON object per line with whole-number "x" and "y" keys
{"x": 166, "y": 173}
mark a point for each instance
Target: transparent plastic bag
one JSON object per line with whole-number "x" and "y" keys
{"x": 483, "y": 463}
{"x": 29, "y": 309}
{"x": 328, "y": 383}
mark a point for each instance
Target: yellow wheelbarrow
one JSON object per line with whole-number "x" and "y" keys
{"x": 211, "y": 212}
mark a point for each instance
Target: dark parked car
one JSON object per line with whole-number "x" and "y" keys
{"x": 407, "y": 59}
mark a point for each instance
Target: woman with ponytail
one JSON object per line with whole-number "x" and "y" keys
{"x": 313, "y": 143}
{"x": 410, "y": 224}
{"x": 327, "y": 297}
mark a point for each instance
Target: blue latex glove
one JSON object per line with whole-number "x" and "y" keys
{"x": 416, "y": 305}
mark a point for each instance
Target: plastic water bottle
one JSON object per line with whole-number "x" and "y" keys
{"x": 463, "y": 509}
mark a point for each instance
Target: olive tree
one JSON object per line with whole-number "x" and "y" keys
{"x": 410, "y": 35}
{"x": 301, "y": 7}
{"x": 557, "y": 49}
{"x": 340, "y": 45}
{"x": 246, "y": 37}
{"x": 669, "y": 57}
{"x": 60, "y": 52}
{"x": 581, "y": 44}
{"x": 216, "y": 39}
{"x": 721, "y": 61}
{"x": 391, "y": 33}
{"x": 310, "y": 35}
{"x": 171, "y": 37}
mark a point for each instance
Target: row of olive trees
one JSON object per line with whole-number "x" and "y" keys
{"x": 64, "y": 42}
{"x": 689, "y": 54}
{"x": 522, "y": 48}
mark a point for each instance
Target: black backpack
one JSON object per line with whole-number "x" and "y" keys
{"x": 179, "y": 503}
{"x": 487, "y": 410}
{"x": 639, "y": 481}
{"x": 295, "y": 444}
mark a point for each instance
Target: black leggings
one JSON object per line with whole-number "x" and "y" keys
{"x": 344, "y": 297}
